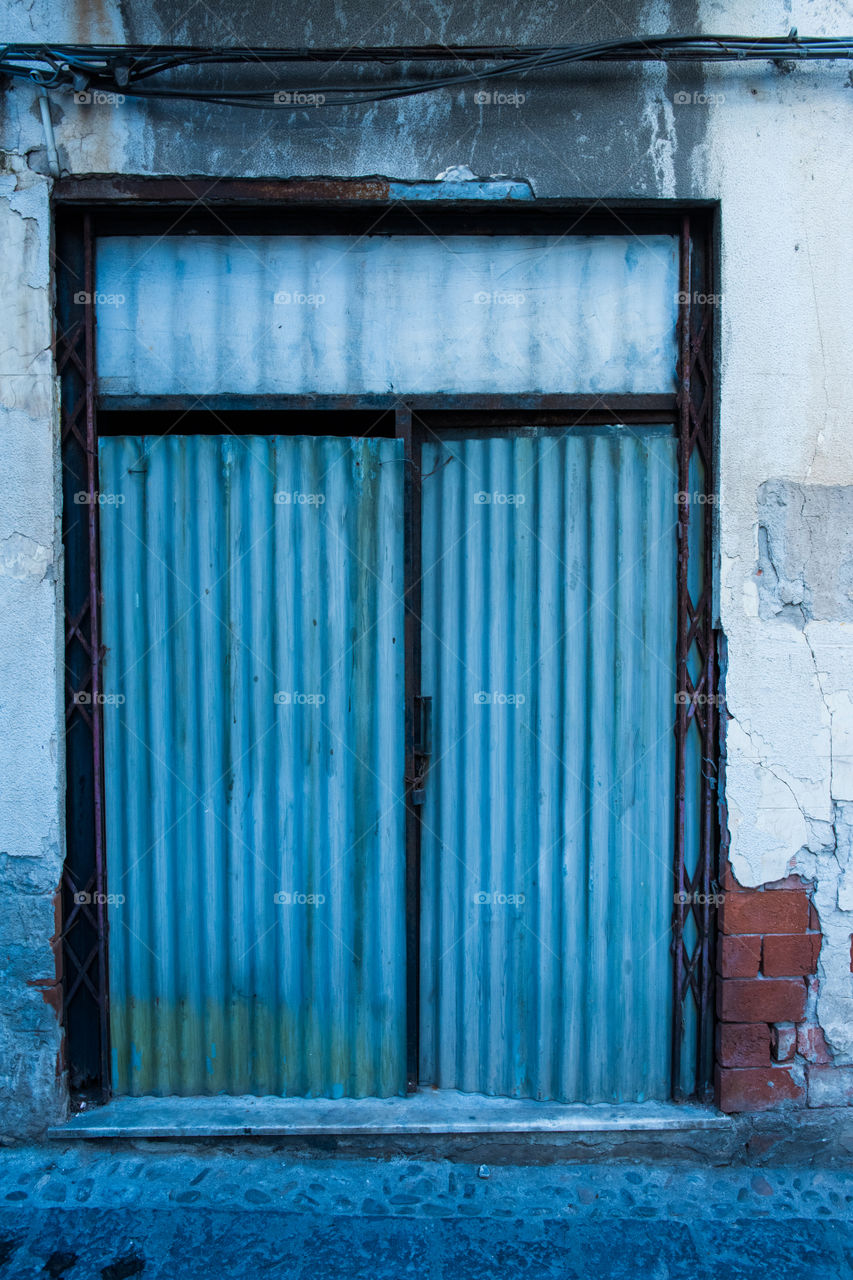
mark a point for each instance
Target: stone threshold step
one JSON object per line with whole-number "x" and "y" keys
{"x": 430, "y": 1111}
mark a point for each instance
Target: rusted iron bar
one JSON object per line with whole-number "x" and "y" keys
{"x": 95, "y": 647}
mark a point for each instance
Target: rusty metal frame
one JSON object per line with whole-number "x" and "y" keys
{"x": 84, "y": 917}
{"x": 609, "y": 408}
{"x": 697, "y": 695}
{"x": 84, "y": 930}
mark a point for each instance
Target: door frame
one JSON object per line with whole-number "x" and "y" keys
{"x": 86, "y": 208}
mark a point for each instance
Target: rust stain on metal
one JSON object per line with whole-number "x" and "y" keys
{"x": 142, "y": 190}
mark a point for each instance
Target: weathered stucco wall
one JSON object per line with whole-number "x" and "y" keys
{"x": 781, "y": 170}
{"x": 771, "y": 145}
{"x": 31, "y": 684}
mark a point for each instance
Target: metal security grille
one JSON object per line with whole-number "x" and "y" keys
{"x": 84, "y": 915}
{"x": 697, "y": 785}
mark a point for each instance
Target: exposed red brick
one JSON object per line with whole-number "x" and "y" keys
{"x": 789, "y": 882}
{"x": 811, "y": 1044}
{"x": 743, "y": 1044}
{"x": 814, "y": 919}
{"x": 783, "y": 1041}
{"x": 51, "y": 988}
{"x": 772, "y": 911}
{"x": 57, "y": 923}
{"x": 761, "y": 1000}
{"x": 739, "y": 955}
{"x": 727, "y": 880}
{"x": 756, "y": 1088}
{"x": 787, "y": 954}
{"x": 51, "y": 993}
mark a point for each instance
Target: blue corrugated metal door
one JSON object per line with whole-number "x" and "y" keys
{"x": 548, "y": 624}
{"x": 254, "y": 673}
{"x": 253, "y": 626}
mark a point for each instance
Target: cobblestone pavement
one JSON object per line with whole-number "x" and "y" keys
{"x": 151, "y": 1210}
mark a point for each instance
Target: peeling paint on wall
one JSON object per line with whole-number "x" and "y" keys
{"x": 805, "y": 544}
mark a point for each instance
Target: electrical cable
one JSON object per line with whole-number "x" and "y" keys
{"x": 128, "y": 70}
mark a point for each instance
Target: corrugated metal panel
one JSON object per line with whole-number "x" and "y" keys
{"x": 220, "y": 796}
{"x": 419, "y": 314}
{"x": 548, "y": 649}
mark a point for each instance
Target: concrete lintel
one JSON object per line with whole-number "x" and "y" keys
{"x": 427, "y": 1112}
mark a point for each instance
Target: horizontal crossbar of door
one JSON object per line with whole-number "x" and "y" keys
{"x": 260, "y": 414}
{"x": 124, "y": 206}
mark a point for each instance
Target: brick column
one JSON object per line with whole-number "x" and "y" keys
{"x": 769, "y": 943}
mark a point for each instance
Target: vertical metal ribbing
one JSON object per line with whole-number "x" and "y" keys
{"x": 548, "y": 816}
{"x": 95, "y": 642}
{"x": 286, "y": 832}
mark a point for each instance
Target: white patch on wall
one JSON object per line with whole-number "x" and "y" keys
{"x": 21, "y": 557}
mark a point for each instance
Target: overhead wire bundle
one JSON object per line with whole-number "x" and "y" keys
{"x": 139, "y": 71}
